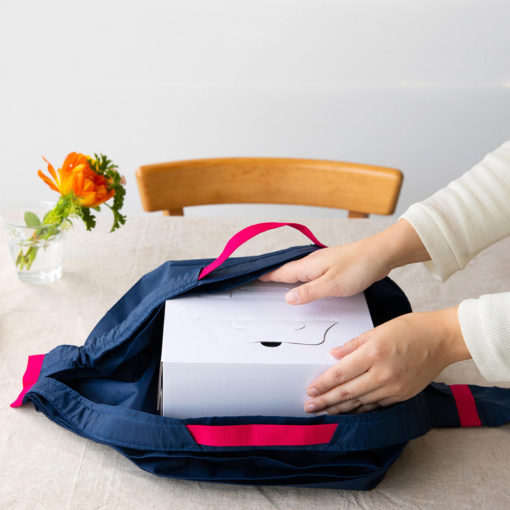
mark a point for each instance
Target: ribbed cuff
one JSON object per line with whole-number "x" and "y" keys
{"x": 485, "y": 326}
{"x": 443, "y": 262}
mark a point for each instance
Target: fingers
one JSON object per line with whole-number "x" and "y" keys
{"x": 302, "y": 270}
{"x": 362, "y": 403}
{"x": 317, "y": 285}
{"x": 353, "y": 391}
{"x": 354, "y": 382}
{"x": 345, "y": 370}
{"x": 343, "y": 350}
{"x": 286, "y": 274}
{"x": 363, "y": 408}
{"x": 379, "y": 397}
{"x": 339, "y": 385}
{"x": 309, "y": 291}
{"x": 348, "y": 406}
{"x": 355, "y": 406}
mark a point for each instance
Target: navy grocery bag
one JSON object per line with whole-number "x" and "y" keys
{"x": 106, "y": 390}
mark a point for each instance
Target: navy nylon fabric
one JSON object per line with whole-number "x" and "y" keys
{"x": 105, "y": 390}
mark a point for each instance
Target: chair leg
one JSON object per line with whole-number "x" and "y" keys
{"x": 174, "y": 212}
{"x": 354, "y": 214}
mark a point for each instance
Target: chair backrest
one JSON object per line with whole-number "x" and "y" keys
{"x": 360, "y": 189}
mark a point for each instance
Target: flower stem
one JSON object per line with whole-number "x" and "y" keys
{"x": 42, "y": 232}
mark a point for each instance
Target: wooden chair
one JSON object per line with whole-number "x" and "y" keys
{"x": 361, "y": 189}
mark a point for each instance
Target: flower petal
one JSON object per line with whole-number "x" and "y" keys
{"x": 70, "y": 161}
{"x": 51, "y": 169}
{"x": 48, "y": 181}
{"x": 88, "y": 199}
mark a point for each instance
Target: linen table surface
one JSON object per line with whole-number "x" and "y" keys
{"x": 44, "y": 466}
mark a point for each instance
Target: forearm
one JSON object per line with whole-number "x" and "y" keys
{"x": 467, "y": 216}
{"x": 454, "y": 345}
{"x": 485, "y": 324}
{"x": 477, "y": 329}
{"x": 441, "y": 334}
{"x": 399, "y": 245}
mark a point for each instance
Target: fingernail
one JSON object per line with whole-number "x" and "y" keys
{"x": 313, "y": 392}
{"x": 292, "y": 296}
{"x": 310, "y": 408}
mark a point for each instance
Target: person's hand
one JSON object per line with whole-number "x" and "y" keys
{"x": 349, "y": 269}
{"x": 336, "y": 271}
{"x": 390, "y": 363}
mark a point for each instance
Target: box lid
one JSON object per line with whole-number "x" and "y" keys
{"x": 254, "y": 324}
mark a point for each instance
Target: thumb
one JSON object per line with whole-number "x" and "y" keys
{"x": 350, "y": 346}
{"x": 309, "y": 291}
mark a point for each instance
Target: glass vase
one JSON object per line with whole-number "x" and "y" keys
{"x": 36, "y": 250}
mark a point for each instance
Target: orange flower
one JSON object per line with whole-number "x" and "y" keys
{"x": 90, "y": 188}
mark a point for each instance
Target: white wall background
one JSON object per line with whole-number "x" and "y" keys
{"x": 422, "y": 85}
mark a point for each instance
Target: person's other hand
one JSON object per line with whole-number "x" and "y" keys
{"x": 390, "y": 363}
{"x": 349, "y": 269}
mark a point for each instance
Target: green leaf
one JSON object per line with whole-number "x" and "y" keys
{"x": 31, "y": 220}
{"x": 88, "y": 218}
{"x": 101, "y": 165}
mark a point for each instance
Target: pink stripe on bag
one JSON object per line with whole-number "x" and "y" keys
{"x": 262, "y": 435}
{"x": 466, "y": 406}
{"x": 246, "y": 234}
{"x": 30, "y": 377}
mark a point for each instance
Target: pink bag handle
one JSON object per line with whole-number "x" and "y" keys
{"x": 262, "y": 434}
{"x": 30, "y": 377}
{"x": 246, "y": 234}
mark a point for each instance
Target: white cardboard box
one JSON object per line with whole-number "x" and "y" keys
{"x": 247, "y": 352}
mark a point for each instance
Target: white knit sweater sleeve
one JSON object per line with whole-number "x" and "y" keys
{"x": 455, "y": 224}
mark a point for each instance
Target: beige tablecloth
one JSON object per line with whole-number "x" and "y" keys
{"x": 43, "y": 465}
